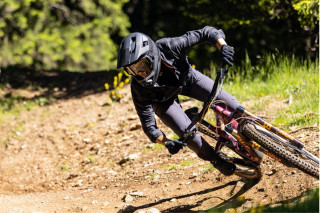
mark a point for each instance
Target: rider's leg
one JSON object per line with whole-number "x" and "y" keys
{"x": 199, "y": 87}
{"x": 173, "y": 116}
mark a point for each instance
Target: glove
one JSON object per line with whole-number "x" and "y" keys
{"x": 227, "y": 55}
{"x": 174, "y": 146}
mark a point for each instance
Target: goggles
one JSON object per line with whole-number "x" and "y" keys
{"x": 141, "y": 66}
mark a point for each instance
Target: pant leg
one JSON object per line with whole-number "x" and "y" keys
{"x": 200, "y": 86}
{"x": 173, "y": 116}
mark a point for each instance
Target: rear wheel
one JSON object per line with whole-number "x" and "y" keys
{"x": 285, "y": 154}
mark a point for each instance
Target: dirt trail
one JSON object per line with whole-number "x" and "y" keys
{"x": 77, "y": 155}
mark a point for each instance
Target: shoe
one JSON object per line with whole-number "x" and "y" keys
{"x": 225, "y": 167}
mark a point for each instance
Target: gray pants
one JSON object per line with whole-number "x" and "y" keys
{"x": 172, "y": 115}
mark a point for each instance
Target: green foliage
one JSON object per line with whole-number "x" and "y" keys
{"x": 257, "y": 26}
{"x": 259, "y": 9}
{"x": 84, "y": 35}
{"x": 308, "y": 12}
{"x": 56, "y": 34}
{"x": 235, "y": 13}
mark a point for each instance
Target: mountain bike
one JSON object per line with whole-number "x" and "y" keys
{"x": 249, "y": 136}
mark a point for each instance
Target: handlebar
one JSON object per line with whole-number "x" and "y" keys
{"x": 212, "y": 96}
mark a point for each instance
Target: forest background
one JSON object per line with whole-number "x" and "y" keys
{"x": 81, "y": 36}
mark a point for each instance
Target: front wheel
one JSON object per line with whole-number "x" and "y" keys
{"x": 282, "y": 153}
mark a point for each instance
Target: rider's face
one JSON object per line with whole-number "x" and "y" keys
{"x": 140, "y": 68}
{"x": 145, "y": 73}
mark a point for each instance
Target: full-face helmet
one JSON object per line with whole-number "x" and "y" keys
{"x": 137, "y": 53}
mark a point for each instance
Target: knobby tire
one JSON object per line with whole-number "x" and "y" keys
{"x": 278, "y": 151}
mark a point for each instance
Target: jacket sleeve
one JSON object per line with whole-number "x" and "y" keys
{"x": 145, "y": 112}
{"x": 180, "y": 45}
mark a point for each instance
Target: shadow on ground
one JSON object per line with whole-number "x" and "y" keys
{"x": 232, "y": 202}
{"x": 57, "y": 84}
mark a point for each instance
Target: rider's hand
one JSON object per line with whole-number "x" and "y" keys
{"x": 227, "y": 55}
{"x": 174, "y": 146}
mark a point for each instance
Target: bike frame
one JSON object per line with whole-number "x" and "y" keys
{"x": 231, "y": 138}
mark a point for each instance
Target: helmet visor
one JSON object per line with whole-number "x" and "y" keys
{"x": 141, "y": 66}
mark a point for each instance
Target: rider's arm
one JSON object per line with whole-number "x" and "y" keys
{"x": 178, "y": 46}
{"x": 145, "y": 112}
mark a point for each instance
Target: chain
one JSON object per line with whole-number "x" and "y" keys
{"x": 206, "y": 131}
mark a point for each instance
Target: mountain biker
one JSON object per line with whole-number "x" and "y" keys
{"x": 161, "y": 72}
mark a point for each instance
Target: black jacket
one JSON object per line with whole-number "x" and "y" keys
{"x": 175, "y": 71}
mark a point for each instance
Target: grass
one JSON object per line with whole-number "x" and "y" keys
{"x": 208, "y": 168}
{"x": 283, "y": 88}
{"x": 169, "y": 167}
{"x": 291, "y": 83}
{"x": 63, "y": 167}
{"x": 186, "y": 163}
{"x": 177, "y": 166}
{"x": 154, "y": 147}
{"x": 91, "y": 158}
{"x": 13, "y": 105}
